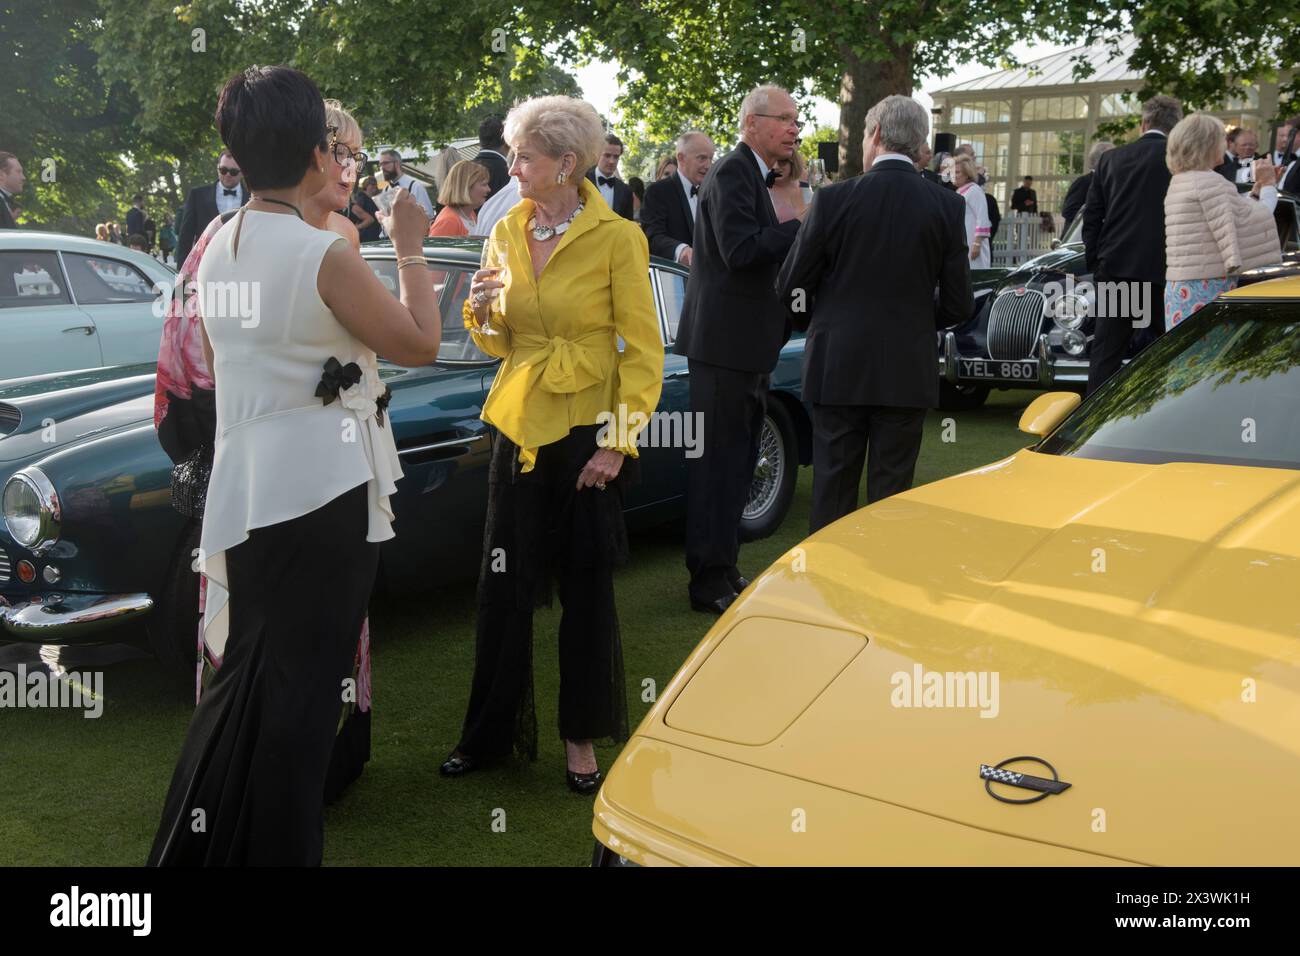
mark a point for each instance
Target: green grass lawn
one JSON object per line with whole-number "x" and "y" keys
{"x": 89, "y": 792}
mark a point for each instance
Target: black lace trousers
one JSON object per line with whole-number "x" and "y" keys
{"x": 541, "y": 529}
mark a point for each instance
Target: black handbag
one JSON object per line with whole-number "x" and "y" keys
{"x": 190, "y": 482}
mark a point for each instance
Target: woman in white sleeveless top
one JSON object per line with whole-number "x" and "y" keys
{"x": 298, "y": 499}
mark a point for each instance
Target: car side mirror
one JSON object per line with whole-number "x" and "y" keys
{"x": 1047, "y": 411}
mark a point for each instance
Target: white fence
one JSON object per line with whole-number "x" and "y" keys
{"x": 1021, "y": 236}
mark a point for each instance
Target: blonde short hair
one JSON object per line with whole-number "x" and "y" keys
{"x": 558, "y": 125}
{"x": 1196, "y": 142}
{"x": 966, "y": 164}
{"x": 462, "y": 177}
{"x": 346, "y": 128}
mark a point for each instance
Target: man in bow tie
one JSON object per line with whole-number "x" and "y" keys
{"x": 205, "y": 203}
{"x": 731, "y": 331}
{"x": 11, "y": 182}
{"x": 1240, "y": 166}
{"x": 616, "y": 193}
{"x": 670, "y": 205}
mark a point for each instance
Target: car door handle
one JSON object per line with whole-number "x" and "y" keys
{"x": 88, "y": 329}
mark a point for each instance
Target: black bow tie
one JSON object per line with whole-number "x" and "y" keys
{"x": 606, "y": 180}
{"x": 229, "y": 192}
{"x": 771, "y": 177}
{"x": 694, "y": 191}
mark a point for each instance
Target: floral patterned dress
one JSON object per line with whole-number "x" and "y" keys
{"x": 1185, "y": 297}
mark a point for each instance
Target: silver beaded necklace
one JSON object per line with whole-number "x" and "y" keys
{"x": 543, "y": 233}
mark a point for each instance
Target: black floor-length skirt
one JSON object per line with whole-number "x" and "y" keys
{"x": 249, "y": 784}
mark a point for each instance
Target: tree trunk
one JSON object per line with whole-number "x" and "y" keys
{"x": 863, "y": 84}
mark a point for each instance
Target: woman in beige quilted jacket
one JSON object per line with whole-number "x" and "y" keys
{"x": 1212, "y": 233}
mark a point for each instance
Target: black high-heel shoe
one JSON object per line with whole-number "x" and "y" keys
{"x": 583, "y": 783}
{"x": 457, "y": 765}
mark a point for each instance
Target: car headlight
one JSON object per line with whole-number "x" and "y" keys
{"x": 31, "y": 509}
{"x": 1074, "y": 342}
{"x": 1069, "y": 310}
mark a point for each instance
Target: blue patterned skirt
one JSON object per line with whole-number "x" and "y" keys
{"x": 1184, "y": 297}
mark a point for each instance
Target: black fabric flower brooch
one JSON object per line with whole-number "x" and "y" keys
{"x": 336, "y": 378}
{"x": 381, "y": 403}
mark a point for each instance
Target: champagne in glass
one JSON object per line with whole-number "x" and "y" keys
{"x": 495, "y": 257}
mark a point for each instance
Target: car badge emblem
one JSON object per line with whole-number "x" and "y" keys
{"x": 1013, "y": 778}
{"x": 1020, "y": 290}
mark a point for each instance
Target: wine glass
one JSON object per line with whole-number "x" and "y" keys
{"x": 495, "y": 257}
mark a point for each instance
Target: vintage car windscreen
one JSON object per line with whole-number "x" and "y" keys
{"x": 451, "y": 285}
{"x": 1223, "y": 387}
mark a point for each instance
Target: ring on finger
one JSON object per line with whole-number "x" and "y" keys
{"x": 600, "y": 485}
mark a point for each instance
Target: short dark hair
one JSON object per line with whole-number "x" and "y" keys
{"x": 271, "y": 119}
{"x": 138, "y": 197}
{"x": 491, "y": 130}
{"x": 1029, "y": 179}
{"x": 4, "y": 159}
{"x": 135, "y": 239}
{"x": 612, "y": 140}
{"x": 637, "y": 185}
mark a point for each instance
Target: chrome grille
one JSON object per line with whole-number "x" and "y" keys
{"x": 5, "y": 570}
{"x": 1014, "y": 324}
{"x": 10, "y": 419}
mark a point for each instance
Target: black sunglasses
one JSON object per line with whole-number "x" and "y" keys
{"x": 227, "y": 171}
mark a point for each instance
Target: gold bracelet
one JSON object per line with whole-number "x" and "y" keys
{"x": 405, "y": 261}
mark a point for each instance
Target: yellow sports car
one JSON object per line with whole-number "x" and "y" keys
{"x": 1085, "y": 654}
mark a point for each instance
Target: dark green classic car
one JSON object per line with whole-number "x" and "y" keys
{"x": 90, "y": 540}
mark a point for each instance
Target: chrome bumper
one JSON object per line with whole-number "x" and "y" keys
{"x": 1050, "y": 370}
{"x": 72, "y": 617}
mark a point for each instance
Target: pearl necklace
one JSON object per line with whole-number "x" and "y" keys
{"x": 545, "y": 233}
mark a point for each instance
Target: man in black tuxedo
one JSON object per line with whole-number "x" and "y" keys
{"x": 731, "y": 331}
{"x": 1239, "y": 167}
{"x": 492, "y": 152}
{"x": 135, "y": 216}
{"x": 616, "y": 193}
{"x": 669, "y": 208}
{"x": 11, "y": 183}
{"x": 1077, "y": 194}
{"x": 1024, "y": 198}
{"x": 865, "y": 266}
{"x": 205, "y": 203}
{"x": 1124, "y": 235}
{"x": 923, "y": 161}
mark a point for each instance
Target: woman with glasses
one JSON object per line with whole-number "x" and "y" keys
{"x": 303, "y": 467}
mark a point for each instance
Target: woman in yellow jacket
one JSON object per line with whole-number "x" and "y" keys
{"x": 566, "y": 406}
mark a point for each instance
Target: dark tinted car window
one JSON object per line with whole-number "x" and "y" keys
{"x": 673, "y": 287}
{"x": 1223, "y": 386}
{"x": 31, "y": 278}
{"x": 97, "y": 280}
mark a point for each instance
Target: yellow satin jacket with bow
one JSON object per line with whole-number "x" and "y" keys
{"x": 559, "y": 338}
